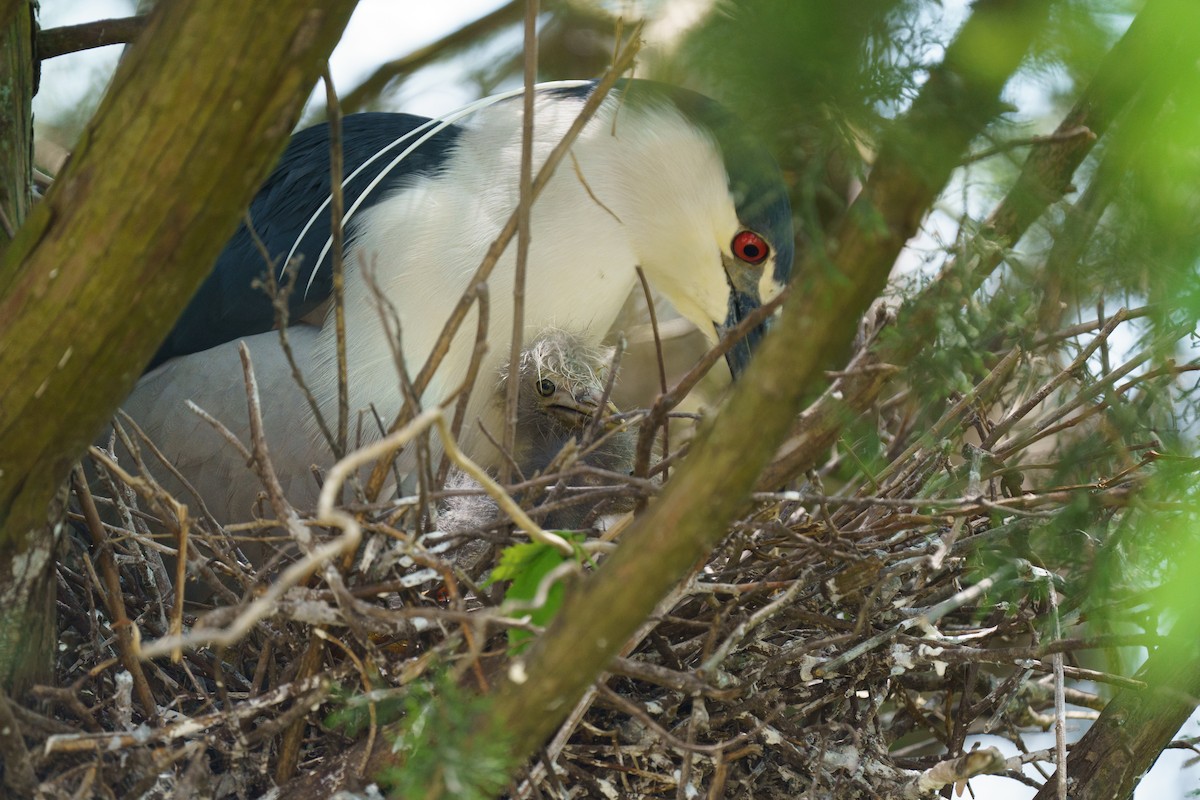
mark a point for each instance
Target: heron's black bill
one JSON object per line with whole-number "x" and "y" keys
{"x": 738, "y": 356}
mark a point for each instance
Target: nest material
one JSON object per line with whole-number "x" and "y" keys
{"x": 840, "y": 643}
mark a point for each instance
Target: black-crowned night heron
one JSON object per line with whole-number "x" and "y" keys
{"x": 563, "y": 380}
{"x": 661, "y": 178}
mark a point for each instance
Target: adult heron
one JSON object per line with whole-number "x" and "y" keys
{"x": 661, "y": 178}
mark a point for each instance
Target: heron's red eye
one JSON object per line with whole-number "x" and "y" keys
{"x": 750, "y": 247}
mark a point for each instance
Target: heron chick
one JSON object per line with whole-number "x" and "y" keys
{"x": 563, "y": 382}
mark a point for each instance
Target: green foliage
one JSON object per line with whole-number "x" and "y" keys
{"x": 353, "y": 716}
{"x": 814, "y": 79}
{"x": 526, "y": 565}
{"x": 443, "y": 752}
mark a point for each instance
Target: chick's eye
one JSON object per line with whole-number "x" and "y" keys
{"x": 750, "y": 247}
{"x": 546, "y": 387}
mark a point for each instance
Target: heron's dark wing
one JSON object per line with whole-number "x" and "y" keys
{"x": 227, "y": 305}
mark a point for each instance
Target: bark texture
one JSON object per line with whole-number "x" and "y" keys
{"x": 195, "y": 116}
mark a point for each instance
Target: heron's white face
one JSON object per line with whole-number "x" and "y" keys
{"x": 683, "y": 224}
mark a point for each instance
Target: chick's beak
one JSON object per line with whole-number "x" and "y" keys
{"x": 580, "y": 409}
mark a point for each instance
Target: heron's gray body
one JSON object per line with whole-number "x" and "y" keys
{"x": 645, "y": 186}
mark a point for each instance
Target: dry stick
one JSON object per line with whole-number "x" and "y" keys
{"x": 464, "y": 397}
{"x": 392, "y": 326}
{"x": 747, "y": 625}
{"x": 365, "y": 677}
{"x": 124, "y": 627}
{"x": 328, "y": 514}
{"x": 662, "y": 367}
{"x": 958, "y": 770}
{"x": 1031, "y": 141}
{"x": 55, "y": 42}
{"x": 301, "y": 692}
{"x": 293, "y": 736}
{"x": 279, "y": 294}
{"x": 336, "y": 254}
{"x": 442, "y": 345}
{"x": 634, "y": 710}
{"x": 926, "y": 618}
{"x": 391, "y": 321}
{"x": 181, "y": 552}
{"x": 667, "y": 401}
{"x": 573, "y": 719}
{"x": 524, "y": 204}
{"x": 904, "y": 465}
{"x": 168, "y": 465}
{"x": 1060, "y": 702}
{"x": 1087, "y": 327}
{"x": 1047, "y": 427}
{"x": 144, "y": 488}
{"x": 172, "y": 513}
{"x": 1005, "y": 425}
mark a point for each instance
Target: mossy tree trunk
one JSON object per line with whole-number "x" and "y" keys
{"x": 197, "y": 112}
{"x": 26, "y": 578}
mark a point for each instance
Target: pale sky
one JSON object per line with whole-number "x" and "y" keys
{"x": 379, "y": 31}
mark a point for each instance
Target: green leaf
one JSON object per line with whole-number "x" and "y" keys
{"x": 525, "y": 565}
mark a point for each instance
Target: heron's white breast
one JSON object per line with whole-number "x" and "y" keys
{"x": 653, "y": 195}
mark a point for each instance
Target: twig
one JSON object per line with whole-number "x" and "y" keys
{"x": 279, "y": 301}
{"x": 669, "y": 400}
{"x": 662, "y": 367}
{"x": 1006, "y": 424}
{"x": 55, "y": 42}
{"x": 365, "y": 677}
{"x": 1031, "y": 141}
{"x": 126, "y": 631}
{"x": 524, "y": 205}
{"x": 757, "y": 618}
{"x": 1060, "y": 702}
{"x": 955, "y": 771}
{"x": 925, "y": 619}
{"x": 464, "y": 396}
{"x": 337, "y": 254}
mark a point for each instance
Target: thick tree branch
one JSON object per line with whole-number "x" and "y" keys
{"x": 713, "y": 485}
{"x": 26, "y": 586}
{"x": 102, "y": 268}
{"x": 198, "y": 110}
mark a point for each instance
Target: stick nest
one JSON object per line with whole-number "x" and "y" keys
{"x": 849, "y": 637}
